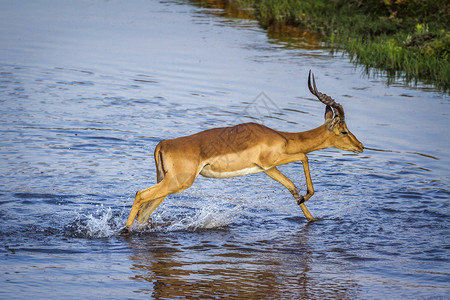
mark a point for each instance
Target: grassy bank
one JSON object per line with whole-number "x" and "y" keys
{"x": 408, "y": 38}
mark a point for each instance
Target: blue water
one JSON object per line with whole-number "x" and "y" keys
{"x": 87, "y": 90}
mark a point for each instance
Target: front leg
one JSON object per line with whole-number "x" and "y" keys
{"x": 276, "y": 175}
{"x": 309, "y": 185}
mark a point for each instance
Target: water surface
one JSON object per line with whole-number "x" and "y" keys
{"x": 87, "y": 90}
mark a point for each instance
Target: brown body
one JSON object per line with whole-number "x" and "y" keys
{"x": 241, "y": 150}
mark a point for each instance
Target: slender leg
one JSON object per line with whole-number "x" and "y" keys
{"x": 276, "y": 175}
{"x": 309, "y": 185}
{"x": 173, "y": 182}
{"x": 153, "y": 193}
{"x": 147, "y": 209}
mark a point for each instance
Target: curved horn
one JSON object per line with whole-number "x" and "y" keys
{"x": 325, "y": 99}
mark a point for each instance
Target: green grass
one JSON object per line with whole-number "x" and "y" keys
{"x": 407, "y": 38}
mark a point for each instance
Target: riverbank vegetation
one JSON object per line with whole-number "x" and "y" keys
{"x": 407, "y": 38}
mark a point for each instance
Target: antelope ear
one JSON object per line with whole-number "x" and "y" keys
{"x": 328, "y": 113}
{"x": 333, "y": 123}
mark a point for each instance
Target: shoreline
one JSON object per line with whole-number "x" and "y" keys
{"x": 407, "y": 39}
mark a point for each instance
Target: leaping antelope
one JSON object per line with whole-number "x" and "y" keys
{"x": 243, "y": 149}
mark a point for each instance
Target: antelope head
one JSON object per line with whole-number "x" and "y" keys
{"x": 339, "y": 135}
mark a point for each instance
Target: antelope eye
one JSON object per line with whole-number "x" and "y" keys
{"x": 344, "y": 132}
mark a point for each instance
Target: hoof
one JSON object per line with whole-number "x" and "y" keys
{"x": 125, "y": 231}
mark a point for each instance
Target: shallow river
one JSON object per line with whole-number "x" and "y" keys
{"x": 87, "y": 90}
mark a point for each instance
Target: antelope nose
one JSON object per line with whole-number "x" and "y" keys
{"x": 361, "y": 147}
{"x": 358, "y": 148}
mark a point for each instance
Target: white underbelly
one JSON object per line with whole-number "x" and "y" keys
{"x": 207, "y": 172}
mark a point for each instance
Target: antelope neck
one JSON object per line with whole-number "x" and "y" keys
{"x": 307, "y": 141}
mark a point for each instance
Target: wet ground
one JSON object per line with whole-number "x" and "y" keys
{"x": 87, "y": 90}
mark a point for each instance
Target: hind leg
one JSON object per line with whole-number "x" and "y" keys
{"x": 171, "y": 184}
{"x": 155, "y": 192}
{"x": 147, "y": 209}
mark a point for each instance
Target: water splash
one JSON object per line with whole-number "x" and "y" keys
{"x": 102, "y": 223}
{"x": 107, "y": 222}
{"x": 102, "y": 226}
{"x": 210, "y": 216}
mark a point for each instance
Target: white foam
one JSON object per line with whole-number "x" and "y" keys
{"x": 104, "y": 222}
{"x": 100, "y": 224}
{"x": 205, "y": 218}
{"x": 212, "y": 214}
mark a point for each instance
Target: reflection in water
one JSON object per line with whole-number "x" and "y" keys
{"x": 213, "y": 268}
{"x": 287, "y": 36}
{"x": 408, "y": 152}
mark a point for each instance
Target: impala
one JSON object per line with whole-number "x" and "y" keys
{"x": 243, "y": 149}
